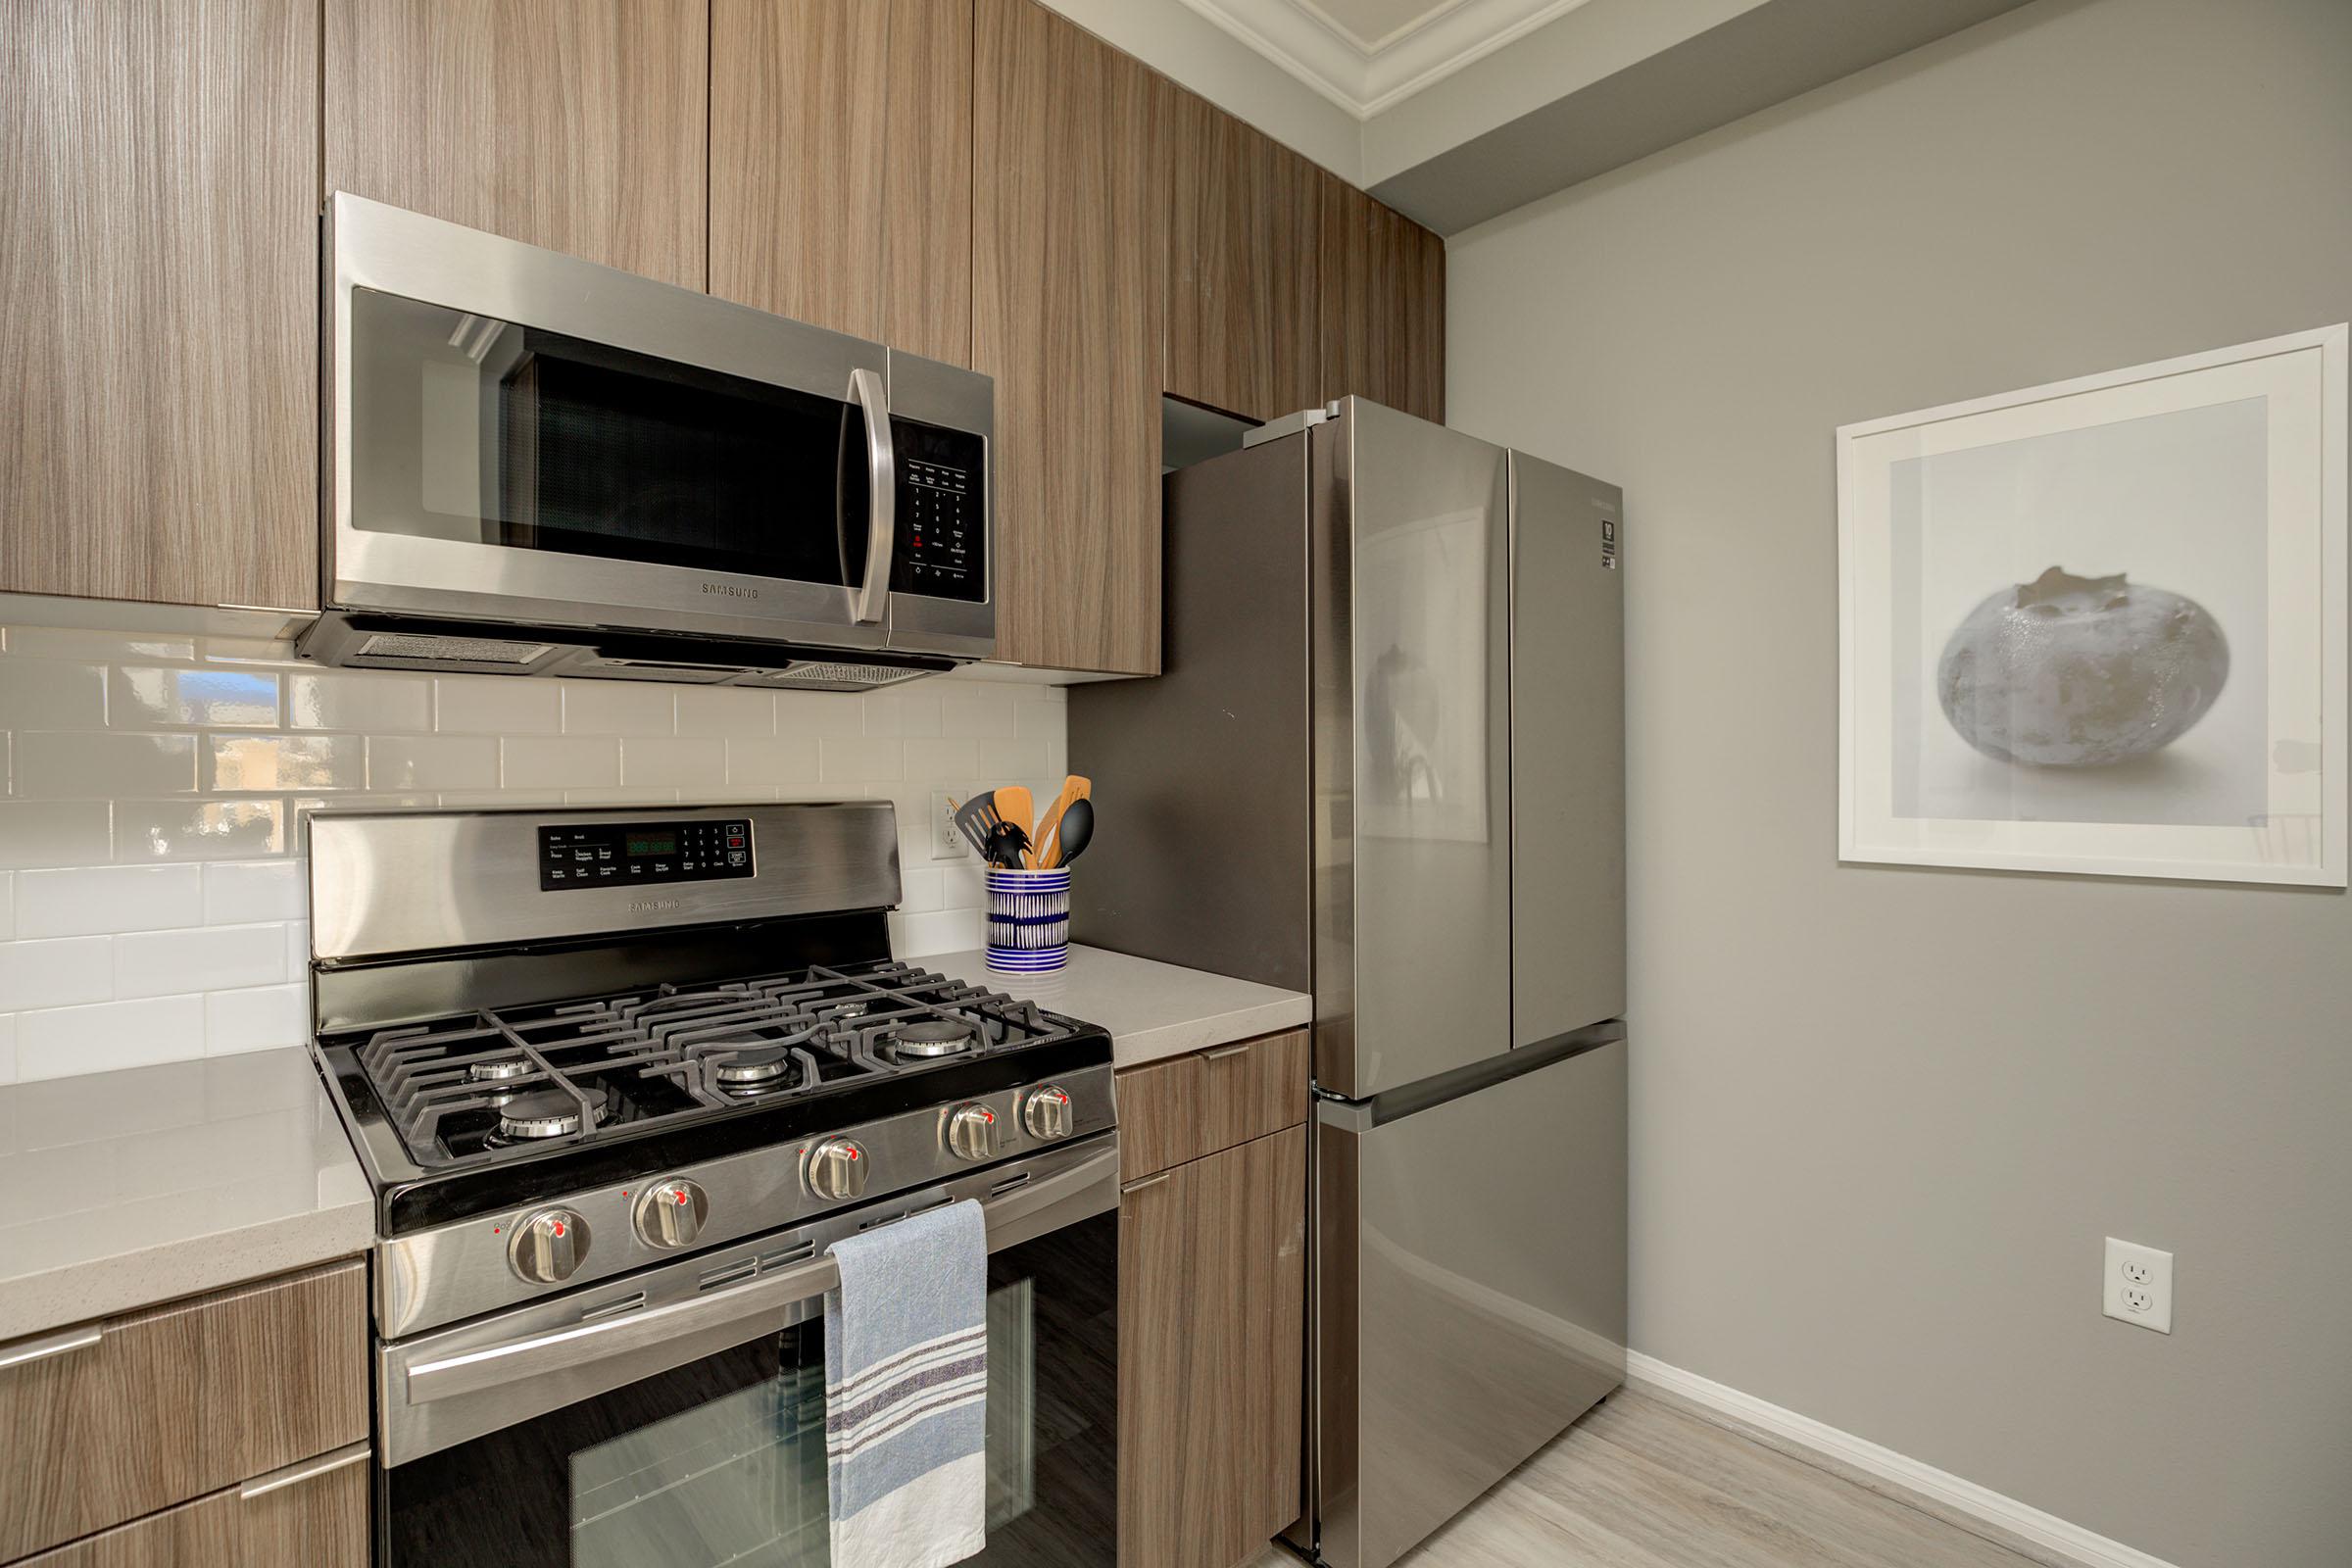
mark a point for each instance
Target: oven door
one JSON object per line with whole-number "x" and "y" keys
{"x": 703, "y": 1441}
{"x": 521, "y": 437}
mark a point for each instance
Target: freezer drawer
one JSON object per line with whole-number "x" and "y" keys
{"x": 1469, "y": 1292}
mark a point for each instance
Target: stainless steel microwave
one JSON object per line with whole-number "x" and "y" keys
{"x": 537, "y": 465}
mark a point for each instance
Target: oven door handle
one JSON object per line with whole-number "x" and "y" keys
{"x": 1030, "y": 1211}
{"x": 869, "y": 602}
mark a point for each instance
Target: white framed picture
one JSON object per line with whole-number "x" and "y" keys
{"x": 2099, "y": 626}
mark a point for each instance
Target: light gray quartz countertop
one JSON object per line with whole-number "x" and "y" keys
{"x": 130, "y": 1188}
{"x": 1151, "y": 1009}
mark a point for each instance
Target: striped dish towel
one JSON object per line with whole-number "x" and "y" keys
{"x": 906, "y": 1392}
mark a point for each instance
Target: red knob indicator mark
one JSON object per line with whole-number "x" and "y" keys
{"x": 559, "y": 1227}
{"x": 988, "y": 1117}
{"x": 852, "y": 1153}
{"x": 678, "y": 1196}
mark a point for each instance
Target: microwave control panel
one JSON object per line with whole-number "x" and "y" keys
{"x": 635, "y": 853}
{"x": 942, "y": 549}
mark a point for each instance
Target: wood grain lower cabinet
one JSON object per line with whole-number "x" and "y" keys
{"x": 1212, "y": 1304}
{"x": 579, "y": 124}
{"x": 1382, "y": 278}
{"x": 1186, "y": 1108}
{"x": 1242, "y": 261}
{"x": 123, "y": 1418}
{"x": 313, "y": 1516}
{"x": 1069, "y": 226}
{"x": 841, "y": 166}
{"x": 159, "y": 348}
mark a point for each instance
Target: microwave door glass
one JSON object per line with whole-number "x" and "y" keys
{"x": 499, "y": 433}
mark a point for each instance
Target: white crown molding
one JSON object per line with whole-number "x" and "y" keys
{"x": 1365, "y": 77}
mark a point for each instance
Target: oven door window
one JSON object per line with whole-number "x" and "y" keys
{"x": 722, "y": 1461}
{"x": 492, "y": 432}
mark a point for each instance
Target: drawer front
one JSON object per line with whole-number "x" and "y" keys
{"x": 314, "y": 1515}
{"x": 1191, "y": 1106}
{"x": 114, "y": 1420}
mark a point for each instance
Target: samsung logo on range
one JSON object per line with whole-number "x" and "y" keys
{"x": 650, "y": 905}
{"x": 732, "y": 590}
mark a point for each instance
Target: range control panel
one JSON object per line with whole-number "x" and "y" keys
{"x": 631, "y": 854}
{"x": 943, "y": 513}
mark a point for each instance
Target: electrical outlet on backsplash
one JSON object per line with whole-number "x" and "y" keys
{"x": 151, "y": 892}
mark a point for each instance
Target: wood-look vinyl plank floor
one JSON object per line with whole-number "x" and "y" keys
{"x": 1638, "y": 1483}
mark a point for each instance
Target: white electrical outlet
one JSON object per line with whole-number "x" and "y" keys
{"x": 946, "y": 843}
{"x": 2139, "y": 1286}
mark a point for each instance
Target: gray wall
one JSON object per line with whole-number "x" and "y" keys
{"x": 1883, "y": 1117}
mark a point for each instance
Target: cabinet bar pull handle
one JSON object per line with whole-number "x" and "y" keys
{"x": 1148, "y": 1180}
{"x": 295, "y": 1474}
{"x": 1222, "y": 1051}
{"x": 26, "y": 1351}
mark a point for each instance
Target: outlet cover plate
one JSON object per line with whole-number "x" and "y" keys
{"x": 2139, "y": 1286}
{"x": 946, "y": 843}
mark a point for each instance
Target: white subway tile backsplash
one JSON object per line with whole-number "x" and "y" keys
{"x": 198, "y": 830}
{"x": 777, "y": 760}
{"x": 675, "y": 762}
{"x": 41, "y": 694}
{"x": 206, "y": 697}
{"x": 196, "y": 940}
{"x": 432, "y": 762}
{"x": 208, "y": 957}
{"x": 720, "y": 711}
{"x": 359, "y": 700}
{"x": 56, "y": 973}
{"x": 842, "y": 760}
{"x": 238, "y": 762}
{"x": 256, "y": 1019}
{"x": 95, "y": 900}
{"x": 496, "y": 705}
{"x": 619, "y": 708}
{"x": 558, "y": 762}
{"x": 56, "y": 833}
{"x": 69, "y": 765}
{"x": 60, "y": 1042}
{"x": 237, "y": 893}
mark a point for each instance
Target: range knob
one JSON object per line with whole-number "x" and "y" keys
{"x": 972, "y": 1132}
{"x": 547, "y": 1246}
{"x": 837, "y": 1168}
{"x": 670, "y": 1213}
{"x": 1046, "y": 1115}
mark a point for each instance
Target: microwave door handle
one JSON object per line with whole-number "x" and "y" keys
{"x": 1080, "y": 1192}
{"x": 871, "y": 601}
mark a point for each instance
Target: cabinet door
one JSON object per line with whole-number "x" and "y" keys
{"x": 579, "y": 124}
{"x": 1242, "y": 322}
{"x": 1213, "y": 1324}
{"x": 1383, "y": 303}
{"x": 159, "y": 348}
{"x": 1069, "y": 223}
{"x": 841, "y": 166}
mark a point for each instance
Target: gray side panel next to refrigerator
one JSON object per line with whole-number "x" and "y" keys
{"x": 1203, "y": 773}
{"x": 1409, "y": 568}
{"x": 1567, "y": 752}
{"x": 1469, "y": 1291}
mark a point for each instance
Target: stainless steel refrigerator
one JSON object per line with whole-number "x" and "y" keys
{"x": 1385, "y": 766}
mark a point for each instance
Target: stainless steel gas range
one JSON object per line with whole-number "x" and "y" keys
{"x": 619, "y": 1079}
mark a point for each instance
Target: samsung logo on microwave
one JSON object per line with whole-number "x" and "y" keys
{"x": 732, "y": 590}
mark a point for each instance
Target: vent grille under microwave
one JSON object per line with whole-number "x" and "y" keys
{"x": 452, "y": 650}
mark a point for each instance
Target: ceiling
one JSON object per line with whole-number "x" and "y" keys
{"x": 1367, "y": 55}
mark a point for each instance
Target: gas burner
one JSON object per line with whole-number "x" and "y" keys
{"x": 932, "y": 1037}
{"x": 499, "y": 1069}
{"x": 545, "y": 1113}
{"x": 753, "y": 1069}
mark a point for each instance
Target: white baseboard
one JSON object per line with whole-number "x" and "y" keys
{"x": 2054, "y": 1536}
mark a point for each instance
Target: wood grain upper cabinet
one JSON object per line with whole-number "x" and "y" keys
{"x": 1212, "y": 1303}
{"x": 1069, "y": 226}
{"x": 159, "y": 349}
{"x": 579, "y": 124}
{"x": 841, "y": 166}
{"x": 1383, "y": 281}
{"x": 1242, "y": 261}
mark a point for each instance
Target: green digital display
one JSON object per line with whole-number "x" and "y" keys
{"x": 653, "y": 844}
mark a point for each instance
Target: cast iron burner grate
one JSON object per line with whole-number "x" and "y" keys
{"x": 603, "y": 1064}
